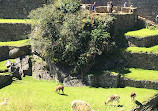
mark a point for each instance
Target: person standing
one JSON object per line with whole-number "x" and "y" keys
{"x": 94, "y": 6}
{"x": 111, "y": 9}
{"x": 125, "y": 4}
{"x": 156, "y": 19}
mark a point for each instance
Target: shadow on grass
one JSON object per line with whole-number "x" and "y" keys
{"x": 122, "y": 71}
{"x": 62, "y": 94}
{"x": 115, "y": 105}
{"x": 138, "y": 103}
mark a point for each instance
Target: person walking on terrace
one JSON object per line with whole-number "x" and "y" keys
{"x": 109, "y": 7}
{"x": 125, "y": 4}
{"x": 156, "y": 19}
{"x": 94, "y": 6}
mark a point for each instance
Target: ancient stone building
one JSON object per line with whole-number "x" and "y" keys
{"x": 21, "y": 8}
{"x": 146, "y": 8}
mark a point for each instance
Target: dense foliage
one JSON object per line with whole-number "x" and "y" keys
{"x": 73, "y": 37}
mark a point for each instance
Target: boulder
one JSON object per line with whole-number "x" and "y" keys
{"x": 18, "y": 64}
{"x": 27, "y": 66}
{"x": 13, "y": 69}
{"x": 20, "y": 51}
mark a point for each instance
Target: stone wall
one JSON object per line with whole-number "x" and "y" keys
{"x": 142, "y": 60}
{"x": 5, "y": 80}
{"x": 138, "y": 83}
{"x": 12, "y": 32}
{"x": 4, "y": 52}
{"x": 18, "y": 8}
{"x": 125, "y": 21}
{"x": 104, "y": 80}
{"x": 146, "y": 8}
{"x": 142, "y": 41}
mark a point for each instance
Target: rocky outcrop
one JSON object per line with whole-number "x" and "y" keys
{"x": 5, "y": 79}
{"x": 39, "y": 68}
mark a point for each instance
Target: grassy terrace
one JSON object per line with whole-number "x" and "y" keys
{"x": 3, "y": 66}
{"x": 142, "y": 33}
{"x": 139, "y": 74}
{"x": 16, "y": 43}
{"x": 39, "y": 95}
{"x": 153, "y": 49}
{"x": 25, "y": 21}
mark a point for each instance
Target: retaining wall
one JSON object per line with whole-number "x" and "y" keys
{"x": 12, "y": 32}
{"x": 142, "y": 41}
{"x": 18, "y": 8}
{"x": 142, "y": 60}
{"x": 138, "y": 83}
{"x": 103, "y": 80}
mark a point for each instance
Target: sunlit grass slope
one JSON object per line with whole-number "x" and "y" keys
{"x": 139, "y": 74}
{"x": 3, "y": 66}
{"x": 153, "y": 49}
{"x": 142, "y": 33}
{"x": 39, "y": 95}
{"x": 25, "y": 21}
{"x": 16, "y": 43}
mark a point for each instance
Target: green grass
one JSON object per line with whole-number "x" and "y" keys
{"x": 16, "y": 43}
{"x": 39, "y": 95}
{"x": 25, "y": 21}
{"x": 3, "y": 66}
{"x": 153, "y": 49}
{"x": 139, "y": 74}
{"x": 5, "y": 73}
{"x": 142, "y": 33}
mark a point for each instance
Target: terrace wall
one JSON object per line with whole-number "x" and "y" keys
{"x": 142, "y": 41}
{"x": 138, "y": 83}
{"x": 12, "y": 32}
{"x": 103, "y": 80}
{"x": 142, "y": 60}
{"x": 5, "y": 80}
{"x": 18, "y": 8}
